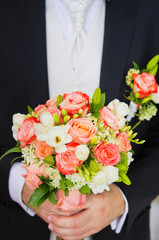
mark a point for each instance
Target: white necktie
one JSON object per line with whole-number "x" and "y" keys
{"x": 75, "y": 43}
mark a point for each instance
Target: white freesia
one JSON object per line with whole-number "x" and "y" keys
{"x": 120, "y": 109}
{"x": 82, "y": 152}
{"x": 47, "y": 119}
{"x": 18, "y": 120}
{"x": 155, "y": 97}
{"x": 98, "y": 183}
{"x": 57, "y": 137}
{"x": 133, "y": 110}
{"x": 130, "y": 158}
{"x": 111, "y": 174}
{"x": 47, "y": 122}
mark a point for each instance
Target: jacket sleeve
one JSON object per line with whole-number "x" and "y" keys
{"x": 144, "y": 175}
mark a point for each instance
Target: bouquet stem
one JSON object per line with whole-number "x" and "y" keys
{"x": 58, "y": 238}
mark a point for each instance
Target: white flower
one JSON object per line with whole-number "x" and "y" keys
{"x": 120, "y": 109}
{"x": 18, "y": 120}
{"x": 133, "y": 110}
{"x": 130, "y": 158}
{"x": 98, "y": 183}
{"x": 47, "y": 122}
{"x": 155, "y": 97}
{"x": 57, "y": 137}
{"x": 47, "y": 119}
{"x": 82, "y": 152}
{"x": 111, "y": 174}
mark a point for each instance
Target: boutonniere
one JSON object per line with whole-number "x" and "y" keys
{"x": 144, "y": 90}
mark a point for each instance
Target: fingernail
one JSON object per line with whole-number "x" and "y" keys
{"x": 51, "y": 227}
{"x": 49, "y": 218}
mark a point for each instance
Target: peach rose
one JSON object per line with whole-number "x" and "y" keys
{"x": 42, "y": 149}
{"x": 31, "y": 178}
{"x": 39, "y": 108}
{"x": 123, "y": 142}
{"x": 82, "y": 130}
{"x": 67, "y": 161}
{"x": 108, "y": 154}
{"x": 26, "y": 134}
{"x": 72, "y": 202}
{"x": 109, "y": 118}
{"x": 144, "y": 84}
{"x": 52, "y": 102}
{"x": 74, "y": 101}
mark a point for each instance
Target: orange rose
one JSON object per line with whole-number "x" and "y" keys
{"x": 109, "y": 118}
{"x": 42, "y": 149}
{"x": 31, "y": 178}
{"x": 26, "y": 134}
{"x": 72, "y": 202}
{"x": 123, "y": 142}
{"x": 144, "y": 84}
{"x": 82, "y": 130}
{"x": 74, "y": 101}
{"x": 67, "y": 161}
{"x": 108, "y": 154}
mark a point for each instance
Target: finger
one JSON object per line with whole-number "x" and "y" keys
{"x": 67, "y": 233}
{"x": 75, "y": 221}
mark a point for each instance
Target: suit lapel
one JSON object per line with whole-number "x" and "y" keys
{"x": 31, "y": 34}
{"x": 120, "y": 23}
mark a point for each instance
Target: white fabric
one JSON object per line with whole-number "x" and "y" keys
{"x": 16, "y": 183}
{"x": 118, "y": 223}
{"x": 58, "y": 17}
{"x": 76, "y": 41}
{"x": 86, "y": 73}
{"x": 154, "y": 219}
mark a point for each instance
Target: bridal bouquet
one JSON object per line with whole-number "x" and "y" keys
{"x": 73, "y": 144}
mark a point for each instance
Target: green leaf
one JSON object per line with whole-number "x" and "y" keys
{"x": 69, "y": 183}
{"x": 96, "y": 96}
{"x": 124, "y": 178}
{"x": 154, "y": 70}
{"x": 30, "y": 110}
{"x": 12, "y": 150}
{"x": 42, "y": 200}
{"x": 62, "y": 184}
{"x": 102, "y": 101}
{"x": 15, "y": 159}
{"x": 59, "y": 100}
{"x": 152, "y": 63}
{"x": 39, "y": 193}
{"x": 30, "y": 200}
{"x": 66, "y": 192}
{"x": 85, "y": 190}
{"x": 52, "y": 198}
{"x": 136, "y": 66}
{"x": 96, "y": 115}
{"x": 18, "y": 144}
{"x": 50, "y": 160}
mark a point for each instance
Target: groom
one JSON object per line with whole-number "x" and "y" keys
{"x": 37, "y": 62}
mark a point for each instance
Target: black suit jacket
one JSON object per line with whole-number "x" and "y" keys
{"x": 131, "y": 33}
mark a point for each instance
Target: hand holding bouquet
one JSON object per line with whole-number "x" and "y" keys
{"x": 73, "y": 144}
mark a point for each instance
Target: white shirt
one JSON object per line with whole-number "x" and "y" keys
{"x": 16, "y": 182}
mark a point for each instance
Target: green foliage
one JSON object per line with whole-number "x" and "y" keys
{"x": 85, "y": 190}
{"x": 59, "y": 100}
{"x": 40, "y": 195}
{"x": 30, "y": 110}
{"x": 12, "y": 150}
{"x": 136, "y": 66}
{"x": 98, "y": 102}
{"x": 50, "y": 160}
